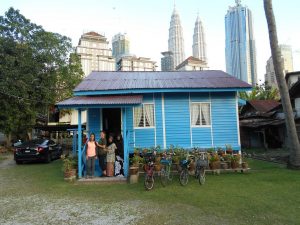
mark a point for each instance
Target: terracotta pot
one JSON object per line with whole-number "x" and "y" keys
{"x": 157, "y": 167}
{"x": 244, "y": 165}
{"x": 133, "y": 170}
{"x": 215, "y": 165}
{"x": 192, "y": 166}
{"x": 70, "y": 173}
{"x": 234, "y": 165}
{"x": 228, "y": 164}
{"x": 224, "y": 165}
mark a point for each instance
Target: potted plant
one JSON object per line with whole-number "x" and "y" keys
{"x": 220, "y": 151}
{"x": 134, "y": 167}
{"x": 214, "y": 161}
{"x": 227, "y": 160}
{"x": 245, "y": 164}
{"x": 235, "y": 161}
{"x": 134, "y": 162}
{"x": 157, "y": 165}
{"x": 229, "y": 149}
{"x": 69, "y": 167}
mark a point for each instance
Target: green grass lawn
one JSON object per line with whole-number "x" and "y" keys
{"x": 269, "y": 194}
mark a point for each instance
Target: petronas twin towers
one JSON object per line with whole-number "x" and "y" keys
{"x": 176, "y": 42}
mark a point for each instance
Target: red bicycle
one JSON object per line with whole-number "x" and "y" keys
{"x": 149, "y": 170}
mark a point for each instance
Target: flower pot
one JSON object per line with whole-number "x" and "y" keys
{"x": 133, "y": 170}
{"x": 224, "y": 165}
{"x": 234, "y": 164}
{"x": 157, "y": 167}
{"x": 70, "y": 173}
{"x": 228, "y": 164}
{"x": 192, "y": 166}
{"x": 244, "y": 165}
{"x": 215, "y": 165}
{"x": 134, "y": 178}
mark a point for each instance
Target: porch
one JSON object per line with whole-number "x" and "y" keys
{"x": 108, "y": 113}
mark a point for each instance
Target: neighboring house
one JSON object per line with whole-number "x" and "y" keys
{"x": 295, "y": 99}
{"x": 262, "y": 122}
{"x": 292, "y": 78}
{"x": 183, "y": 108}
{"x": 260, "y": 125}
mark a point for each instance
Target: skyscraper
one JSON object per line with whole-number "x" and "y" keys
{"x": 95, "y": 54}
{"x": 167, "y": 62}
{"x": 240, "y": 44}
{"x": 176, "y": 42}
{"x": 199, "y": 43}
{"x": 120, "y": 45}
{"x": 287, "y": 62}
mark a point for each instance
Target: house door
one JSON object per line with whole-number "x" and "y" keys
{"x": 111, "y": 118}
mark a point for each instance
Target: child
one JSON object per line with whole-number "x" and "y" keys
{"x": 110, "y": 157}
{"x": 91, "y": 156}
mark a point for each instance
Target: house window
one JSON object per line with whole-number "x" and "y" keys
{"x": 144, "y": 116}
{"x": 200, "y": 114}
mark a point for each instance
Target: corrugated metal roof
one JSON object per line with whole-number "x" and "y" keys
{"x": 99, "y": 81}
{"x": 264, "y": 105}
{"x": 103, "y": 100}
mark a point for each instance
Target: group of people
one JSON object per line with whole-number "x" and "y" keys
{"x": 110, "y": 155}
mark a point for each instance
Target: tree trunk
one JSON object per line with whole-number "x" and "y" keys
{"x": 8, "y": 140}
{"x": 293, "y": 142}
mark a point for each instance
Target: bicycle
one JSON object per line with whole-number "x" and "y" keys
{"x": 166, "y": 175}
{"x": 149, "y": 171}
{"x": 184, "y": 175}
{"x": 201, "y": 164}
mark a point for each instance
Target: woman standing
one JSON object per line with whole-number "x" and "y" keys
{"x": 110, "y": 157}
{"x": 119, "y": 156}
{"x": 91, "y": 156}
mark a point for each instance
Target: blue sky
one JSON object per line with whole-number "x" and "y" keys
{"x": 147, "y": 23}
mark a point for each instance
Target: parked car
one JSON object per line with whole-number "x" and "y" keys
{"x": 37, "y": 150}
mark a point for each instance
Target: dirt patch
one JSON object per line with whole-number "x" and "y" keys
{"x": 43, "y": 210}
{"x": 7, "y": 162}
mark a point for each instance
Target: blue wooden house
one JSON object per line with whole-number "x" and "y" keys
{"x": 186, "y": 108}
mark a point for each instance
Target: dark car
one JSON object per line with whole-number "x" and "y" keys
{"x": 37, "y": 150}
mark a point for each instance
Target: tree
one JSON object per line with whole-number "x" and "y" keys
{"x": 294, "y": 159}
{"x": 36, "y": 71}
{"x": 261, "y": 92}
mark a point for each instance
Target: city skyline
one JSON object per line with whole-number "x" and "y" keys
{"x": 148, "y": 22}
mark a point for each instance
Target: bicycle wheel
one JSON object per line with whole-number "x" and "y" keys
{"x": 170, "y": 174}
{"x": 202, "y": 176}
{"x": 197, "y": 172}
{"x": 184, "y": 177}
{"x": 163, "y": 177}
{"x": 149, "y": 182}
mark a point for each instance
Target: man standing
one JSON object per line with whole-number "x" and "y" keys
{"x": 102, "y": 152}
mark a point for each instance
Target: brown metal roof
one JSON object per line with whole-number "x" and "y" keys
{"x": 264, "y": 105}
{"x": 122, "y": 80}
{"x": 103, "y": 100}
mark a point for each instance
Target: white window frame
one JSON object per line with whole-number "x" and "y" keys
{"x": 144, "y": 119}
{"x": 210, "y": 119}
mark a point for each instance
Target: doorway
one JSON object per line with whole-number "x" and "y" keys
{"x": 111, "y": 118}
